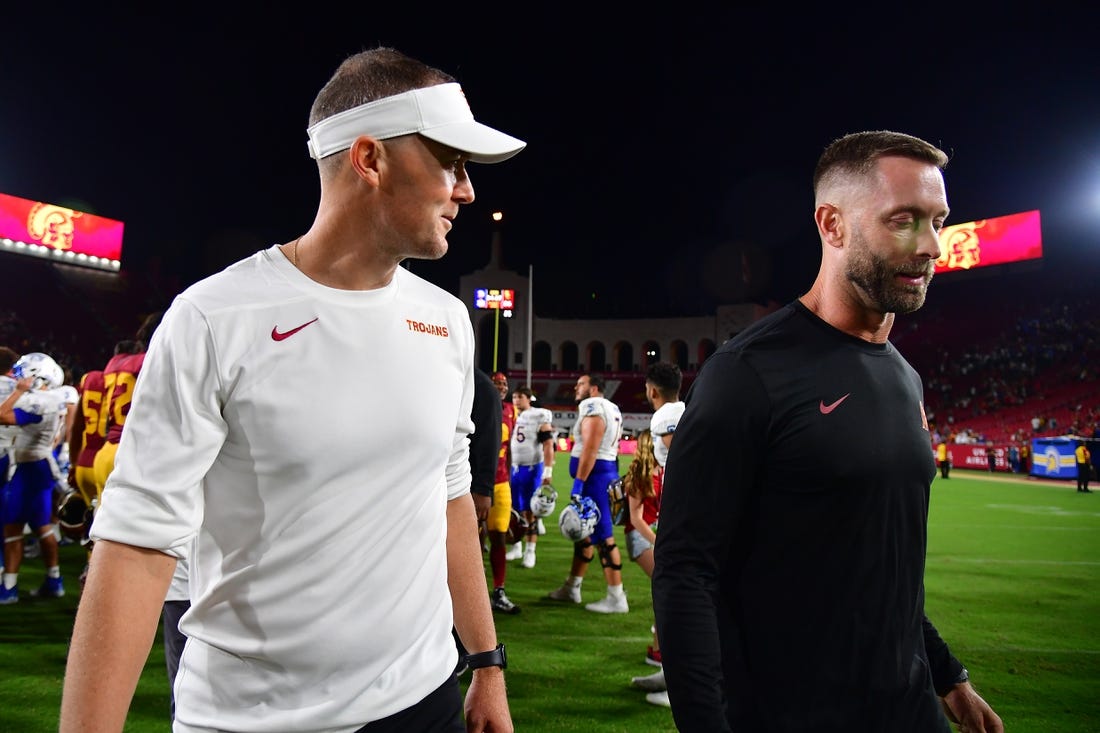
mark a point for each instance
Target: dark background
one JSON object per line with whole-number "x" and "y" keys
{"x": 666, "y": 150}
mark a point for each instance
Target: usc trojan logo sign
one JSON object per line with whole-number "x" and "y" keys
{"x": 53, "y": 226}
{"x": 962, "y": 246}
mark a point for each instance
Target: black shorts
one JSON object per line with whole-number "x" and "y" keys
{"x": 439, "y": 712}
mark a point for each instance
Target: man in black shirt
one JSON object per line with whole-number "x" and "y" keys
{"x": 789, "y": 578}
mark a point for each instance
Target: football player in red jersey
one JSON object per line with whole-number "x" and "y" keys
{"x": 119, "y": 377}
{"x": 500, "y": 514}
{"x": 89, "y": 428}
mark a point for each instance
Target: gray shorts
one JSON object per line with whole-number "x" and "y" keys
{"x": 636, "y": 544}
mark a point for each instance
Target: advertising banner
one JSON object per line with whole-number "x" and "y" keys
{"x": 1053, "y": 458}
{"x": 986, "y": 242}
{"x": 968, "y": 455}
{"x": 59, "y": 234}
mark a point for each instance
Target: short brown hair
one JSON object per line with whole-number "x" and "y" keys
{"x": 858, "y": 152}
{"x": 366, "y": 77}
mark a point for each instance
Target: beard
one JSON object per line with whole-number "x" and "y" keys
{"x": 877, "y": 278}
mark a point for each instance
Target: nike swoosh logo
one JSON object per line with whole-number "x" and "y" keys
{"x": 277, "y": 335}
{"x": 826, "y": 409}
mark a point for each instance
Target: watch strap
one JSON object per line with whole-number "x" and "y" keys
{"x": 492, "y": 658}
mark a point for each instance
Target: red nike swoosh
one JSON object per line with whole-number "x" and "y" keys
{"x": 826, "y": 409}
{"x": 276, "y": 335}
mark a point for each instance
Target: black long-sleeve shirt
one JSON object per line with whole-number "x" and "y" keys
{"x": 789, "y": 578}
{"x": 485, "y": 440}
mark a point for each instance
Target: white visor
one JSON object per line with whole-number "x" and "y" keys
{"x": 439, "y": 113}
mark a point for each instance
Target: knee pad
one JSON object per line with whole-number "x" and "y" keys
{"x": 605, "y": 556}
{"x": 578, "y": 551}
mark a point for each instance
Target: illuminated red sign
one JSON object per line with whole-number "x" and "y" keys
{"x": 988, "y": 242}
{"x": 59, "y": 233}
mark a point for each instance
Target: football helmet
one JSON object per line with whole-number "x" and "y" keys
{"x": 543, "y": 501}
{"x": 617, "y": 499}
{"x": 517, "y": 528}
{"x": 74, "y": 516}
{"x": 41, "y": 368}
{"x": 578, "y": 521}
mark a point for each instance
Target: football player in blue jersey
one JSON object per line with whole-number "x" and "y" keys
{"x": 593, "y": 464}
{"x": 37, "y": 407}
{"x": 532, "y": 461}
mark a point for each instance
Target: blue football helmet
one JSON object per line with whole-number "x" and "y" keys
{"x": 578, "y": 521}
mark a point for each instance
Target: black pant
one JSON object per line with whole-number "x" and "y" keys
{"x": 439, "y": 712}
{"x": 1083, "y": 470}
{"x": 945, "y": 468}
{"x": 174, "y": 640}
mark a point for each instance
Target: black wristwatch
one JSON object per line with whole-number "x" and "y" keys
{"x": 494, "y": 658}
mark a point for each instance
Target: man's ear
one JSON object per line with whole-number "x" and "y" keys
{"x": 366, "y": 156}
{"x": 830, "y": 224}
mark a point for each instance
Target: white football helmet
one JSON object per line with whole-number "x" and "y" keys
{"x": 544, "y": 501}
{"x": 578, "y": 521}
{"x": 41, "y": 368}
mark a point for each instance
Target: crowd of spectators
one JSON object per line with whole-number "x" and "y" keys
{"x": 1003, "y": 359}
{"x": 1029, "y": 372}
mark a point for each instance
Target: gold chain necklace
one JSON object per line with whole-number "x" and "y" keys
{"x": 294, "y": 259}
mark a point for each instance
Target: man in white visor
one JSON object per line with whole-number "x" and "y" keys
{"x": 302, "y": 418}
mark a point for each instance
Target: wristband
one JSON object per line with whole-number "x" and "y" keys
{"x": 578, "y": 486}
{"x": 493, "y": 658}
{"x": 547, "y": 472}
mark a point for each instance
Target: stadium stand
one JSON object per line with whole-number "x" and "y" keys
{"x": 995, "y": 349}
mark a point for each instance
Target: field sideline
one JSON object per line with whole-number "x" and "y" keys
{"x": 1013, "y": 584}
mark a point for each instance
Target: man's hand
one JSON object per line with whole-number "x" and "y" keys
{"x": 481, "y": 506}
{"x": 486, "y": 704}
{"x": 969, "y": 712}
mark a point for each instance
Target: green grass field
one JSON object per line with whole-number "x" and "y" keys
{"x": 1013, "y": 583}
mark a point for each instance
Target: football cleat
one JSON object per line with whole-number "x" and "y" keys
{"x": 609, "y": 604}
{"x": 500, "y": 602}
{"x": 578, "y": 521}
{"x": 567, "y": 592}
{"x": 50, "y": 588}
{"x": 658, "y": 698}
{"x": 8, "y": 595}
{"x": 41, "y": 368}
{"x": 651, "y": 682}
{"x": 544, "y": 501}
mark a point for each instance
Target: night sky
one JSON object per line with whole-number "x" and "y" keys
{"x": 664, "y": 152}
